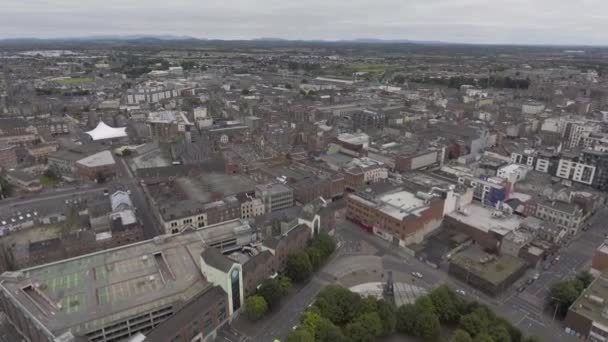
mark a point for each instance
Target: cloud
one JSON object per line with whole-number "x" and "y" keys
{"x": 470, "y": 21}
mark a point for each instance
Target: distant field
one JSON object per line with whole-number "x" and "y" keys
{"x": 75, "y": 81}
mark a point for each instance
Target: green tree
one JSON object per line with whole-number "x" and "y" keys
{"x": 371, "y": 321}
{"x": 424, "y": 304}
{"x": 483, "y": 338}
{"x": 298, "y": 267}
{"x": 310, "y": 320}
{"x": 499, "y": 333}
{"x": 585, "y": 277}
{"x": 387, "y": 315}
{"x": 447, "y": 305}
{"x": 300, "y": 335}
{"x": 271, "y": 291}
{"x": 427, "y": 326}
{"x": 473, "y": 324}
{"x": 256, "y": 307}
{"x": 357, "y": 332}
{"x": 284, "y": 284}
{"x": 461, "y": 336}
{"x": 563, "y": 294}
{"x": 338, "y": 304}
{"x": 314, "y": 256}
{"x": 327, "y": 332}
{"x": 406, "y": 317}
{"x": 6, "y": 189}
{"x": 325, "y": 244}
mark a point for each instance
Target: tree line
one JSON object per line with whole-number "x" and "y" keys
{"x": 300, "y": 266}
{"x": 339, "y": 315}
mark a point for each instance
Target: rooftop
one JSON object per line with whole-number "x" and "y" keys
{"x": 593, "y": 302}
{"x": 91, "y": 291}
{"x": 167, "y": 117}
{"x": 397, "y": 204}
{"x": 487, "y": 219}
{"x": 490, "y": 267}
{"x": 102, "y": 158}
{"x": 103, "y": 131}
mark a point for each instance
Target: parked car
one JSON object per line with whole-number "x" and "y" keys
{"x": 530, "y": 281}
{"x": 417, "y": 274}
{"x": 536, "y": 276}
{"x": 521, "y": 289}
{"x": 461, "y": 292}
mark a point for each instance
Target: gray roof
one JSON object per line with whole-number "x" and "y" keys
{"x": 102, "y": 158}
{"x": 214, "y": 258}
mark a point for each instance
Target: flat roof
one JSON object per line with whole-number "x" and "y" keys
{"x": 490, "y": 267}
{"x": 398, "y": 204}
{"x": 89, "y": 292}
{"x": 593, "y": 302}
{"x": 483, "y": 218}
{"x": 98, "y": 159}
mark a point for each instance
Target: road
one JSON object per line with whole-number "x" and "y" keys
{"x": 524, "y": 310}
{"x": 144, "y": 211}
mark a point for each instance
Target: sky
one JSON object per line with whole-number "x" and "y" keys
{"x": 567, "y": 22}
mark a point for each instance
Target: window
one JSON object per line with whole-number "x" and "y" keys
{"x": 208, "y": 326}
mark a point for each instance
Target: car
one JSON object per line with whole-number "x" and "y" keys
{"x": 536, "y": 276}
{"x": 106, "y": 192}
{"x": 521, "y": 289}
{"x": 530, "y": 281}
{"x": 417, "y": 274}
{"x": 461, "y": 292}
{"x": 128, "y": 192}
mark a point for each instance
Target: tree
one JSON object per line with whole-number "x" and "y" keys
{"x": 298, "y": 267}
{"x": 406, "y": 317}
{"x": 461, "y": 336}
{"x": 499, "y": 333}
{"x": 310, "y": 320}
{"x": 427, "y": 326}
{"x": 314, "y": 255}
{"x": 563, "y": 294}
{"x": 327, "y": 332}
{"x": 472, "y": 324}
{"x": 271, "y": 291}
{"x": 50, "y": 174}
{"x": 585, "y": 277}
{"x": 288, "y": 86}
{"x": 338, "y": 304}
{"x": 300, "y": 335}
{"x": 357, "y": 332}
{"x": 387, "y": 316}
{"x": 256, "y": 307}
{"x": 447, "y": 305}
{"x": 284, "y": 284}
{"x": 483, "y": 338}
{"x": 245, "y": 92}
{"x": 325, "y": 244}
{"x": 6, "y": 189}
{"x": 371, "y": 321}
{"x": 531, "y": 339}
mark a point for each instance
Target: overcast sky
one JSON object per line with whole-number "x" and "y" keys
{"x": 468, "y": 21}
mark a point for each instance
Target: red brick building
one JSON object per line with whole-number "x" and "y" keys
{"x": 398, "y": 216}
{"x": 8, "y": 157}
{"x": 96, "y": 166}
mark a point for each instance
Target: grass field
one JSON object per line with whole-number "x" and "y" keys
{"x": 47, "y": 182}
{"x": 75, "y": 81}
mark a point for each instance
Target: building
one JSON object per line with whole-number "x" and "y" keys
{"x": 275, "y": 196}
{"x": 599, "y": 261}
{"x": 98, "y": 167}
{"x": 169, "y": 126}
{"x": 250, "y": 206}
{"x": 420, "y": 160}
{"x": 489, "y": 273}
{"x": 152, "y": 93}
{"x": 368, "y": 119}
{"x": 16, "y": 131}
{"x": 105, "y": 132}
{"x": 63, "y": 162}
{"x": 23, "y": 180}
{"x": 8, "y": 157}
{"x": 372, "y": 170}
{"x": 588, "y": 315}
{"x": 487, "y": 226}
{"x": 399, "y": 216}
{"x": 41, "y": 152}
{"x": 576, "y": 171}
{"x": 562, "y": 214}
{"x": 512, "y": 173}
{"x": 114, "y": 294}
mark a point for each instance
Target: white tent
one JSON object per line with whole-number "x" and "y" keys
{"x": 103, "y": 131}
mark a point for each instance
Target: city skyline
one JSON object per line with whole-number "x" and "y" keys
{"x": 465, "y": 21}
